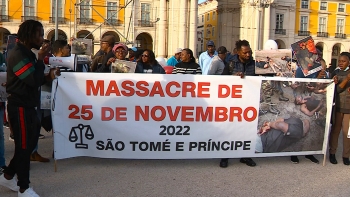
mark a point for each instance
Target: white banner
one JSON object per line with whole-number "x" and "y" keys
{"x": 140, "y": 116}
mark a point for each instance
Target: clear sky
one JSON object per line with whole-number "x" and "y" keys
{"x": 201, "y": 1}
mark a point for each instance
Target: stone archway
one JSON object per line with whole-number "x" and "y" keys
{"x": 144, "y": 41}
{"x": 112, "y": 33}
{"x": 61, "y": 35}
{"x": 280, "y": 44}
{"x": 3, "y": 37}
{"x": 85, "y": 34}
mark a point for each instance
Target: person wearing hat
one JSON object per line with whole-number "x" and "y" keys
{"x": 120, "y": 51}
{"x": 217, "y": 65}
{"x": 101, "y": 63}
{"x": 175, "y": 59}
{"x": 132, "y": 51}
{"x": 206, "y": 57}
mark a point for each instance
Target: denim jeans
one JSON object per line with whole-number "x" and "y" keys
{"x": 2, "y": 139}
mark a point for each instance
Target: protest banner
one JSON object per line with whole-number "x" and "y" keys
{"x": 138, "y": 116}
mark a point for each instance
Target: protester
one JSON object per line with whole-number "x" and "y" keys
{"x": 188, "y": 64}
{"x": 341, "y": 78}
{"x": 60, "y": 48}
{"x": 25, "y": 74}
{"x": 2, "y": 138}
{"x": 218, "y": 64}
{"x": 206, "y": 57}
{"x": 101, "y": 63}
{"x": 120, "y": 51}
{"x": 174, "y": 59}
{"x": 240, "y": 64}
{"x": 149, "y": 64}
{"x": 132, "y": 52}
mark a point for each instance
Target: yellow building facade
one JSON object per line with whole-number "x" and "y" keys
{"x": 210, "y": 25}
{"x": 327, "y": 22}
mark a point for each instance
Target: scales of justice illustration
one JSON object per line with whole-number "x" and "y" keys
{"x": 88, "y": 133}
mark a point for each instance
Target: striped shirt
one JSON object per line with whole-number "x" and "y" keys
{"x": 187, "y": 68}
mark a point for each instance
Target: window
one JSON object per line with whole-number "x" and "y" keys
{"x": 323, "y": 6}
{"x": 145, "y": 14}
{"x": 59, "y": 9}
{"x": 279, "y": 21}
{"x": 322, "y": 24}
{"x": 208, "y": 16}
{"x": 214, "y": 15}
{"x": 341, "y": 7}
{"x": 112, "y": 12}
{"x": 84, "y": 11}
{"x": 305, "y": 4}
{"x": 340, "y": 26}
{"x": 202, "y": 18}
{"x": 213, "y": 31}
{"x": 3, "y": 9}
{"x": 29, "y": 8}
{"x": 303, "y": 23}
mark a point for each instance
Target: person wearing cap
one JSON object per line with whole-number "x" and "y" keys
{"x": 132, "y": 51}
{"x": 101, "y": 63}
{"x": 218, "y": 64}
{"x": 120, "y": 51}
{"x": 175, "y": 59}
{"x": 206, "y": 57}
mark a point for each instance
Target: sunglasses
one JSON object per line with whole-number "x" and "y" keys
{"x": 144, "y": 55}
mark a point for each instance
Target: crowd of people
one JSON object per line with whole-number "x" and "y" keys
{"x": 26, "y": 73}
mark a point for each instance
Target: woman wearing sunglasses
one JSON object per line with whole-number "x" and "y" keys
{"x": 149, "y": 64}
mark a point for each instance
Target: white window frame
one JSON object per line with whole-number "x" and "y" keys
{"x": 323, "y": 28}
{"x": 339, "y": 7}
{"x": 115, "y": 17}
{"x": 53, "y": 4}
{"x": 301, "y": 4}
{"x": 213, "y": 31}
{"x": 343, "y": 28}
{"x": 322, "y": 6}
{"x": 214, "y": 15}
{"x": 5, "y": 13}
{"x": 90, "y": 10}
{"x": 150, "y": 12}
{"x": 202, "y": 18}
{"x": 307, "y": 23}
{"x": 35, "y": 8}
{"x": 279, "y": 24}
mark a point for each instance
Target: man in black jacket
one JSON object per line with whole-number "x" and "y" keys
{"x": 25, "y": 75}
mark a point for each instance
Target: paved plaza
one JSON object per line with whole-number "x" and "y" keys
{"x": 94, "y": 177}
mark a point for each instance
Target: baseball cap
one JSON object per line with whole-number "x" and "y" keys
{"x": 108, "y": 38}
{"x": 222, "y": 50}
{"x": 118, "y": 46}
{"x": 133, "y": 49}
{"x": 178, "y": 50}
{"x": 210, "y": 43}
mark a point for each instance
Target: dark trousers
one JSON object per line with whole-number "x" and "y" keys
{"x": 25, "y": 123}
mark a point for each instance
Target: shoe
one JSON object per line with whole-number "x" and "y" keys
{"x": 282, "y": 98}
{"x": 28, "y": 193}
{"x": 11, "y": 184}
{"x": 36, "y": 157}
{"x": 273, "y": 110}
{"x": 224, "y": 163}
{"x": 332, "y": 159}
{"x": 41, "y": 136}
{"x": 262, "y": 112}
{"x": 312, "y": 158}
{"x": 294, "y": 159}
{"x": 6, "y": 124}
{"x": 12, "y": 138}
{"x": 346, "y": 161}
{"x": 248, "y": 161}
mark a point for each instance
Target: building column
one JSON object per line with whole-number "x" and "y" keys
{"x": 266, "y": 27}
{"x": 193, "y": 26}
{"x": 161, "y": 29}
{"x": 182, "y": 25}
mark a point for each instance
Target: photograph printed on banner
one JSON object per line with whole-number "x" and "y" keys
{"x": 3, "y": 93}
{"x": 122, "y": 66}
{"x": 273, "y": 62}
{"x": 292, "y": 116}
{"x": 45, "y": 99}
{"x": 307, "y": 56}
